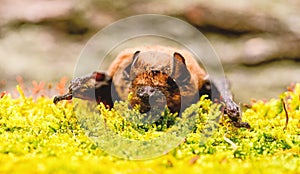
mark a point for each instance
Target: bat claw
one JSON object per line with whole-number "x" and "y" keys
{"x": 57, "y": 99}
{"x": 234, "y": 113}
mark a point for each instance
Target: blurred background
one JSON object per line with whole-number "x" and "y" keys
{"x": 257, "y": 41}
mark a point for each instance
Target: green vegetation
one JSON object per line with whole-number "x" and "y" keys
{"x": 39, "y": 137}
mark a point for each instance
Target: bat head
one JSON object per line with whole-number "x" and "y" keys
{"x": 157, "y": 79}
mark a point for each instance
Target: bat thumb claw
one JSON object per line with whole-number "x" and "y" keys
{"x": 62, "y": 97}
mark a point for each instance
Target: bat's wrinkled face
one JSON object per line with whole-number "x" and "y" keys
{"x": 155, "y": 81}
{"x": 155, "y": 90}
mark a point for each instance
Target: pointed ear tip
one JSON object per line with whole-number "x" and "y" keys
{"x": 178, "y": 56}
{"x": 137, "y": 52}
{"x": 135, "y": 55}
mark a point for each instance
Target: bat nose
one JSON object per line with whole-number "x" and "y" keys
{"x": 152, "y": 100}
{"x": 146, "y": 92}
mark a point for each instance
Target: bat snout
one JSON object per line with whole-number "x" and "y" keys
{"x": 146, "y": 92}
{"x": 150, "y": 98}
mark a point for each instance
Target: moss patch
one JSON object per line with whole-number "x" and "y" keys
{"x": 39, "y": 137}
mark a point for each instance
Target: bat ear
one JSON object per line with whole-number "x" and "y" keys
{"x": 180, "y": 72}
{"x": 178, "y": 58}
{"x": 126, "y": 73}
{"x": 135, "y": 58}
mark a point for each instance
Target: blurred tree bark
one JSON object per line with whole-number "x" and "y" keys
{"x": 258, "y": 37}
{"x": 240, "y": 35}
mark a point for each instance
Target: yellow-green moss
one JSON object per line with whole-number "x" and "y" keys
{"x": 39, "y": 137}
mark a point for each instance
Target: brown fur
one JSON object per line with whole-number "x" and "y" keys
{"x": 124, "y": 59}
{"x": 160, "y": 82}
{"x": 157, "y": 74}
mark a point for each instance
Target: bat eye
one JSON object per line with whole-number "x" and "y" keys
{"x": 146, "y": 91}
{"x": 155, "y": 72}
{"x": 152, "y": 90}
{"x": 140, "y": 91}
